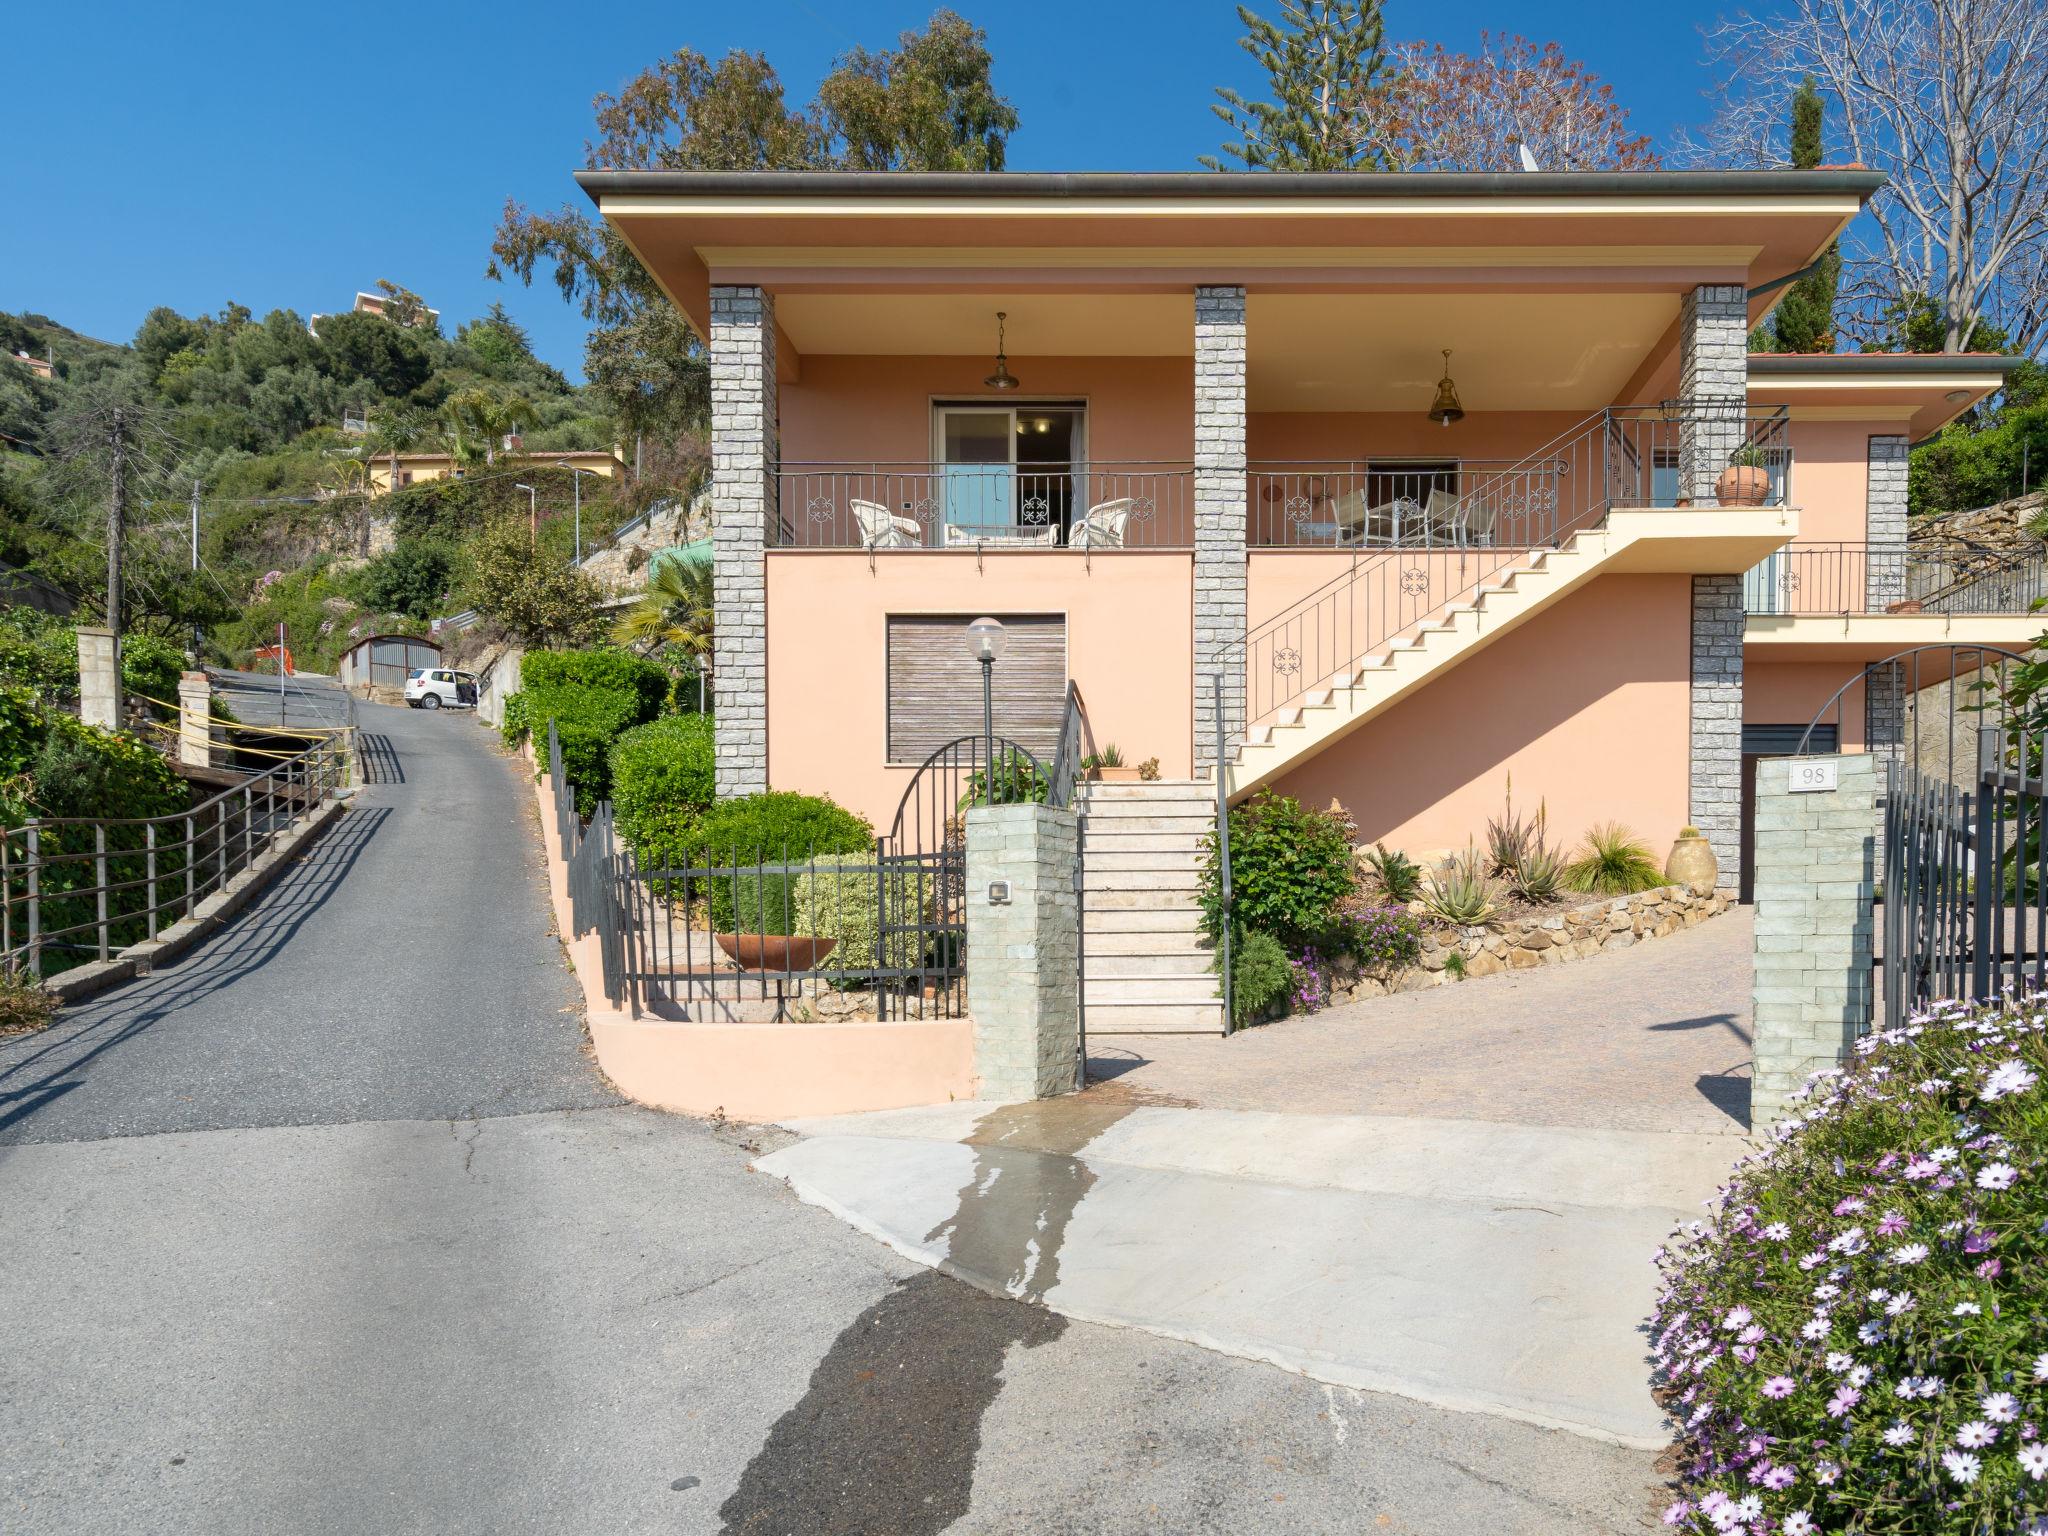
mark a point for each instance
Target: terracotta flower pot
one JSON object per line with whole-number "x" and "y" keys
{"x": 1692, "y": 863}
{"x": 1743, "y": 485}
{"x": 774, "y": 951}
{"x": 1117, "y": 775}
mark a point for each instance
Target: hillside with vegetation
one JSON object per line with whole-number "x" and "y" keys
{"x": 276, "y": 423}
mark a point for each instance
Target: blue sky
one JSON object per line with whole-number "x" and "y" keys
{"x": 287, "y": 155}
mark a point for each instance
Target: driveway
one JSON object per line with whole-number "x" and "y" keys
{"x": 333, "y": 1228}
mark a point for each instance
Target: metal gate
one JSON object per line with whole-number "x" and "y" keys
{"x": 1961, "y": 901}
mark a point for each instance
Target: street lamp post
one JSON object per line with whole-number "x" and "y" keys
{"x": 985, "y": 642}
{"x": 576, "y": 480}
{"x": 532, "y": 511}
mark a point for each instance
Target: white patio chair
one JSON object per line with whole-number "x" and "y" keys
{"x": 1353, "y": 518}
{"x": 1476, "y": 515}
{"x": 1103, "y": 525}
{"x": 1442, "y": 518}
{"x": 882, "y": 529}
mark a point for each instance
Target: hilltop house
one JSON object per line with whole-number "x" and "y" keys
{"x": 1440, "y": 478}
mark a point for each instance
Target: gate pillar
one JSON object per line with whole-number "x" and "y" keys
{"x": 1816, "y": 860}
{"x": 1023, "y": 949}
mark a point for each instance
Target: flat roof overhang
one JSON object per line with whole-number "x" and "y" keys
{"x": 833, "y": 246}
{"x": 1923, "y": 391}
{"x": 1855, "y": 639}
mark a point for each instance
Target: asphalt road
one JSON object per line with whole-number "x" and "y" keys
{"x": 333, "y": 1229}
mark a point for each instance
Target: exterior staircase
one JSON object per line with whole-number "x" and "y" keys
{"x": 1146, "y": 964}
{"x": 1522, "y": 587}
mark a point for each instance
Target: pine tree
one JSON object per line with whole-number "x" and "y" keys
{"x": 1805, "y": 319}
{"x": 1322, "y": 58}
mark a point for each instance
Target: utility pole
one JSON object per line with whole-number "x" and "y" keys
{"x": 195, "y": 564}
{"x": 117, "y": 511}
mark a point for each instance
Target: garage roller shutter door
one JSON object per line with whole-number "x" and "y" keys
{"x": 935, "y": 685}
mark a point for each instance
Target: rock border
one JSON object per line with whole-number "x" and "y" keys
{"x": 1550, "y": 938}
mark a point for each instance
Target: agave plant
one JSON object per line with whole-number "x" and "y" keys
{"x": 1399, "y": 876}
{"x": 1540, "y": 874}
{"x": 1460, "y": 889}
{"x": 1613, "y": 862}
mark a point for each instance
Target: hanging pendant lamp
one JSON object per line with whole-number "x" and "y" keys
{"x": 1445, "y": 408}
{"x": 1002, "y": 378}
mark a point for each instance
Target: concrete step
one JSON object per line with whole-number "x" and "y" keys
{"x": 1109, "y": 861}
{"x": 1190, "y": 826}
{"x": 1163, "y": 902}
{"x": 1160, "y": 925}
{"x": 1154, "y": 961}
{"x": 1155, "y": 1018}
{"x": 1102, "y": 842}
{"x": 1184, "y": 878}
{"x": 1196, "y": 987}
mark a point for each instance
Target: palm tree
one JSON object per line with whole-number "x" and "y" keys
{"x": 477, "y": 420}
{"x": 400, "y": 430}
{"x": 675, "y": 612}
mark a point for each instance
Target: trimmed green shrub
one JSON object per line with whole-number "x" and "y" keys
{"x": 1290, "y": 867}
{"x": 1613, "y": 862}
{"x": 662, "y": 777}
{"x": 1261, "y": 975}
{"x": 593, "y": 697}
{"x": 1852, "y": 1340}
{"x": 772, "y": 828}
{"x": 834, "y": 904}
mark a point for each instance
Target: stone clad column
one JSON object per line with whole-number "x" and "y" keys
{"x": 1023, "y": 949}
{"x": 1884, "y": 525}
{"x": 1219, "y": 513}
{"x": 745, "y": 453}
{"x": 1815, "y": 881}
{"x": 1713, "y": 385}
{"x": 195, "y": 723}
{"x": 1714, "y": 799}
{"x": 99, "y": 678}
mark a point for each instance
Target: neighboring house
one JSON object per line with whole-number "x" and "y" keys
{"x": 41, "y": 367}
{"x": 415, "y": 468}
{"x": 373, "y": 304}
{"x": 1224, "y": 441}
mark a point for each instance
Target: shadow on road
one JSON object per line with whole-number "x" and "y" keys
{"x": 377, "y": 760}
{"x": 42, "y": 1070}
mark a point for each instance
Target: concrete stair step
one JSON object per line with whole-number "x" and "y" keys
{"x": 1163, "y": 902}
{"x": 1149, "y": 990}
{"x": 1108, "y": 965}
{"x": 1157, "y": 926}
{"x": 1103, "y": 841}
{"x": 1140, "y": 881}
{"x": 1155, "y": 1018}
{"x": 1144, "y": 860}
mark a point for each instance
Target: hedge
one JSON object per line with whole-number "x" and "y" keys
{"x": 775, "y": 827}
{"x": 662, "y": 778}
{"x": 838, "y": 898}
{"x": 593, "y": 697}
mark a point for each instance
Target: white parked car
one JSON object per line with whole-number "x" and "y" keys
{"x": 440, "y": 688}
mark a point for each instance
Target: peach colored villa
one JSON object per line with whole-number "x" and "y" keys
{"x": 1428, "y": 470}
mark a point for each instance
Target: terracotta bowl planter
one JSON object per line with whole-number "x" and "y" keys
{"x": 1692, "y": 862}
{"x": 774, "y": 951}
{"x": 1117, "y": 775}
{"x": 1743, "y": 485}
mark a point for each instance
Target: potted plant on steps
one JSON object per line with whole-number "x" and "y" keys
{"x": 1692, "y": 861}
{"x": 1746, "y": 482}
{"x": 1107, "y": 766}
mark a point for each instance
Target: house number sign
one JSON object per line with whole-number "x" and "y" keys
{"x": 1813, "y": 775}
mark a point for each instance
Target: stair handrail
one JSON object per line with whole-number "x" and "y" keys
{"x": 1070, "y": 755}
{"x": 1321, "y": 638}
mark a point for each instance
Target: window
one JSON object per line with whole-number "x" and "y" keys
{"x": 935, "y": 685}
{"x": 1010, "y": 469}
{"x": 1390, "y": 480}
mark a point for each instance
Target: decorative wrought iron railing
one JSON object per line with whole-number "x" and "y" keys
{"x": 1095, "y": 506}
{"x": 1810, "y": 579}
{"x": 1677, "y": 454}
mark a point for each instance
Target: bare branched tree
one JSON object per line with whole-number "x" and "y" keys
{"x": 1949, "y": 98}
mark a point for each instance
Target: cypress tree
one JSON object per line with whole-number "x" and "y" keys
{"x": 1805, "y": 318}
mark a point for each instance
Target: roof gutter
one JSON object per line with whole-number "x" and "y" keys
{"x": 1039, "y": 186}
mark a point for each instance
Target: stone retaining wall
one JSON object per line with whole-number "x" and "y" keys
{"x": 1547, "y": 938}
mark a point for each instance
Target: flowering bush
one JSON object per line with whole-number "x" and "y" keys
{"x": 1855, "y": 1340}
{"x": 1383, "y": 940}
{"x": 1310, "y": 990}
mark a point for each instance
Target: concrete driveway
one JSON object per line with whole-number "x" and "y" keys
{"x": 1451, "y": 1195}
{"x": 333, "y": 1228}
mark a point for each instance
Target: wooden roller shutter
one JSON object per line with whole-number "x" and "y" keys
{"x": 935, "y": 685}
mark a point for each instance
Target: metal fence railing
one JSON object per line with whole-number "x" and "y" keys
{"x": 1094, "y": 506}
{"x": 77, "y": 889}
{"x": 1820, "y": 578}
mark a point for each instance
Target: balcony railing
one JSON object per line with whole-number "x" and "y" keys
{"x": 1809, "y": 580}
{"x": 987, "y": 506}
